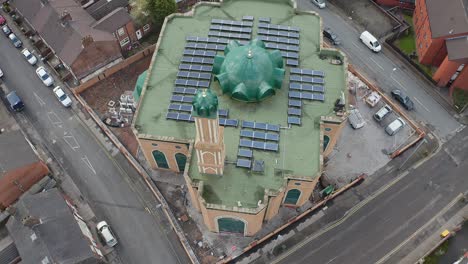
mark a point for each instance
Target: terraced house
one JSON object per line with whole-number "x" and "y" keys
{"x": 243, "y": 100}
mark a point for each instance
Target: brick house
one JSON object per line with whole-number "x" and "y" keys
{"x": 405, "y": 4}
{"x": 441, "y": 29}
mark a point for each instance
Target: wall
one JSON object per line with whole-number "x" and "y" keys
{"x": 168, "y": 148}
{"x": 129, "y": 31}
{"x": 274, "y": 205}
{"x": 461, "y": 81}
{"x": 306, "y": 188}
{"x": 95, "y": 56}
{"x": 445, "y": 72}
{"x": 333, "y": 134}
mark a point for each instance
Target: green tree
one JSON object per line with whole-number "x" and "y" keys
{"x": 159, "y": 9}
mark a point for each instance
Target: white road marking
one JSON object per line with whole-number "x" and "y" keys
{"x": 399, "y": 83}
{"x": 355, "y": 45}
{"x": 88, "y": 163}
{"x": 54, "y": 119}
{"x": 71, "y": 141}
{"x": 377, "y": 63}
{"x": 39, "y": 100}
{"x": 422, "y": 104}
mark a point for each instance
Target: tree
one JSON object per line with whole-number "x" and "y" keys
{"x": 159, "y": 9}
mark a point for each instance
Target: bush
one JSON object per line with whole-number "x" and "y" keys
{"x": 460, "y": 98}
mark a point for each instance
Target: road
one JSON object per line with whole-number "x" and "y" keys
{"x": 379, "y": 68}
{"x": 109, "y": 186}
{"x": 368, "y": 234}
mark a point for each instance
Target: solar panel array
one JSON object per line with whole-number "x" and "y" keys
{"x": 259, "y": 145}
{"x": 304, "y": 84}
{"x": 205, "y": 46}
{"x": 200, "y": 53}
{"x": 231, "y": 29}
{"x": 281, "y": 37}
{"x": 200, "y": 60}
{"x": 193, "y": 67}
{"x": 260, "y": 126}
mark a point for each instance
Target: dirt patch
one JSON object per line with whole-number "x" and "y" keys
{"x": 368, "y": 15}
{"x": 99, "y": 95}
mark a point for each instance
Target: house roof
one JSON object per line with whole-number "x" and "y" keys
{"x": 114, "y": 20}
{"x": 19, "y": 152}
{"x": 102, "y": 8}
{"x": 457, "y": 49}
{"x": 56, "y": 234}
{"x": 447, "y": 18}
{"x": 16, "y": 182}
{"x": 299, "y": 147}
{"x": 64, "y": 38}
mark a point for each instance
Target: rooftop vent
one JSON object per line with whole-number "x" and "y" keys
{"x": 258, "y": 166}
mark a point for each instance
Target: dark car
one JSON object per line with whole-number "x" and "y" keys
{"x": 403, "y": 99}
{"x": 332, "y": 37}
{"x": 2, "y": 20}
{"x": 6, "y": 30}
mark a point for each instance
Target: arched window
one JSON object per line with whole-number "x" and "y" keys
{"x": 231, "y": 225}
{"x": 292, "y": 196}
{"x": 326, "y": 140}
{"x": 181, "y": 161}
{"x": 160, "y": 159}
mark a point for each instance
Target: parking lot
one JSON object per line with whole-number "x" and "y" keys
{"x": 366, "y": 149}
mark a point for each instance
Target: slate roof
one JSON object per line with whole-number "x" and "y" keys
{"x": 447, "y": 17}
{"x": 19, "y": 152}
{"x": 114, "y": 20}
{"x": 102, "y": 8}
{"x": 57, "y": 236}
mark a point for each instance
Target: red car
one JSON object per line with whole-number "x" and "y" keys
{"x": 2, "y": 20}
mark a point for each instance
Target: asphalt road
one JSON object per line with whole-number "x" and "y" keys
{"x": 104, "y": 182}
{"x": 379, "y": 68}
{"x": 378, "y": 227}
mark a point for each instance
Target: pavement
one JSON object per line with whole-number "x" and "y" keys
{"x": 109, "y": 184}
{"x": 378, "y": 68}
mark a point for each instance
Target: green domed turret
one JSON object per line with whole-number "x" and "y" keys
{"x": 249, "y": 73}
{"x": 205, "y": 104}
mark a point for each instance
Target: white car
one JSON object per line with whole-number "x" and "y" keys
{"x": 62, "y": 97}
{"x": 1, "y": 73}
{"x": 29, "y": 56}
{"x": 320, "y": 3}
{"x": 44, "y": 76}
{"x": 106, "y": 233}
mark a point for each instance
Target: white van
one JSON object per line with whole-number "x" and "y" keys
{"x": 385, "y": 110}
{"x": 370, "y": 41}
{"x": 319, "y": 3}
{"x": 355, "y": 119}
{"x": 395, "y": 126}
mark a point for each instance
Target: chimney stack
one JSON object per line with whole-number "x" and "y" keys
{"x": 30, "y": 221}
{"x": 65, "y": 17}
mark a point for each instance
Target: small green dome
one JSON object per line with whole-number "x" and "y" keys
{"x": 205, "y": 104}
{"x": 250, "y": 73}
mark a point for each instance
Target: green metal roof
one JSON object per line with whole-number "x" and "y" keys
{"x": 299, "y": 150}
{"x": 205, "y": 104}
{"x": 249, "y": 73}
{"x": 139, "y": 85}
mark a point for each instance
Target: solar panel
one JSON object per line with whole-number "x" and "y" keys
{"x": 264, "y": 20}
{"x": 290, "y": 55}
{"x": 180, "y": 107}
{"x": 179, "y": 116}
{"x": 318, "y": 97}
{"x": 306, "y": 79}
{"x": 232, "y": 22}
{"x": 244, "y": 163}
{"x": 193, "y": 67}
{"x": 246, "y": 153}
{"x": 307, "y": 72}
{"x": 200, "y": 53}
{"x": 271, "y": 146}
{"x": 172, "y": 115}
{"x": 192, "y": 83}
{"x": 228, "y": 122}
{"x": 295, "y": 103}
{"x": 248, "y": 124}
{"x": 223, "y": 112}
{"x": 248, "y": 18}
{"x": 291, "y": 62}
{"x": 188, "y": 59}
{"x": 294, "y": 120}
{"x": 229, "y": 35}
{"x": 306, "y": 87}
{"x": 294, "y": 111}
{"x": 185, "y": 90}
{"x": 181, "y": 99}
{"x": 259, "y": 135}
{"x": 278, "y": 27}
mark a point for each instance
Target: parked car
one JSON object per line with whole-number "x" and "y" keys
{"x": 29, "y": 56}
{"x": 403, "y": 99}
{"x": 383, "y": 112}
{"x": 395, "y": 126}
{"x": 2, "y": 20}
{"x": 1, "y": 73}
{"x": 332, "y": 37}
{"x": 370, "y": 41}
{"x": 105, "y": 232}
{"x": 16, "y": 42}
{"x": 6, "y": 30}
{"x": 44, "y": 76}
{"x": 355, "y": 119}
{"x": 15, "y": 102}
{"x": 319, "y": 3}
{"x": 62, "y": 96}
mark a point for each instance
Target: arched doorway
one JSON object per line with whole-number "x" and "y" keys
{"x": 181, "y": 160}
{"x": 326, "y": 140}
{"x": 231, "y": 225}
{"x": 160, "y": 159}
{"x": 292, "y": 196}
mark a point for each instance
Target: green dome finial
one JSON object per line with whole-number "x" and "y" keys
{"x": 205, "y": 104}
{"x": 249, "y": 73}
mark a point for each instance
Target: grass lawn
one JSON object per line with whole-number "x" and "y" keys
{"x": 407, "y": 44}
{"x": 460, "y": 98}
{"x": 433, "y": 258}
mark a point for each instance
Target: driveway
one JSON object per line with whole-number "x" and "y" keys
{"x": 108, "y": 183}
{"x": 379, "y": 69}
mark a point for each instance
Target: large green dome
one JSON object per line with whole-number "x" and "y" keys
{"x": 249, "y": 73}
